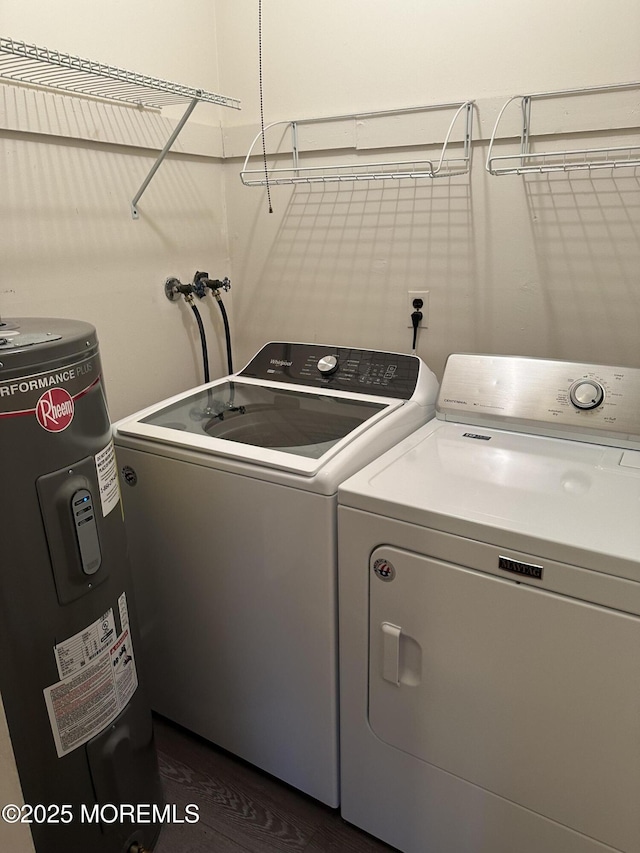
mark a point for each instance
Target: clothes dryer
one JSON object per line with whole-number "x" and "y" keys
{"x": 230, "y": 505}
{"x": 489, "y": 576}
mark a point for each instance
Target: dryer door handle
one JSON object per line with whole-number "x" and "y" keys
{"x": 391, "y": 652}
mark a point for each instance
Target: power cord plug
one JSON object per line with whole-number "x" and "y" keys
{"x": 416, "y": 318}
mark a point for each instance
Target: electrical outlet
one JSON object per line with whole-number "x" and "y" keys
{"x": 418, "y": 294}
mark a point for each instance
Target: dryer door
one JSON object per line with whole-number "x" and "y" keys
{"x": 530, "y": 695}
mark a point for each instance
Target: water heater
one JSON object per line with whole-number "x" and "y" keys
{"x": 78, "y": 768}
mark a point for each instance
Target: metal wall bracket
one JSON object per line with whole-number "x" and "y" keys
{"x": 161, "y": 156}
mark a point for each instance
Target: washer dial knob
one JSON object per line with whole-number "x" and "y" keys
{"x": 586, "y": 394}
{"x": 328, "y": 364}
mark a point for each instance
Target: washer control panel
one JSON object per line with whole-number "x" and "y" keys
{"x": 383, "y": 374}
{"x": 543, "y": 396}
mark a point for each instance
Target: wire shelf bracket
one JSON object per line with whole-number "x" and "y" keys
{"x": 50, "y": 69}
{"x": 444, "y": 165}
{"x": 528, "y": 161}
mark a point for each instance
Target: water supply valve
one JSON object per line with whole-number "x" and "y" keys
{"x": 198, "y": 286}
{"x": 173, "y": 288}
{"x": 214, "y": 285}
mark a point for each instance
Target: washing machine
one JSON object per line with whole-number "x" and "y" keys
{"x": 489, "y": 587}
{"x": 229, "y": 494}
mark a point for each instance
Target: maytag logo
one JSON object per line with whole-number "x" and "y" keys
{"x": 517, "y": 567}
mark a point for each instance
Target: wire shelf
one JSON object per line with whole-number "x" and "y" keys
{"x": 528, "y": 161}
{"x": 445, "y": 164}
{"x": 399, "y": 170}
{"x": 568, "y": 161}
{"x": 39, "y": 66}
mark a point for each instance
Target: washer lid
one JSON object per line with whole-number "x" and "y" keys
{"x": 294, "y": 429}
{"x": 567, "y": 500}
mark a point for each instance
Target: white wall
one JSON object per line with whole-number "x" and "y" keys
{"x": 546, "y": 265}
{"x": 69, "y": 169}
{"x": 334, "y": 56}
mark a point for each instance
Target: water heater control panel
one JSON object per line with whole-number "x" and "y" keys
{"x": 84, "y": 520}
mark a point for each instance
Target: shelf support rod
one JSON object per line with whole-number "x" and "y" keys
{"x": 526, "y": 124}
{"x": 294, "y": 146}
{"x": 468, "y": 128}
{"x": 162, "y": 155}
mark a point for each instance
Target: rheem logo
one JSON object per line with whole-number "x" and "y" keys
{"x": 55, "y": 409}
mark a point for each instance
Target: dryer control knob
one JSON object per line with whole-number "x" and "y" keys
{"x": 328, "y": 364}
{"x": 586, "y": 394}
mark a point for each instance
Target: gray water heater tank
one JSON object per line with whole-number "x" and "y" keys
{"x": 76, "y": 734}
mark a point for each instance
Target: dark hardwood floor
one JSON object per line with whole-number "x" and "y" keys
{"x": 243, "y": 809}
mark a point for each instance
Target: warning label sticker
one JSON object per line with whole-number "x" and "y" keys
{"x": 108, "y": 478}
{"x": 76, "y": 652}
{"x": 124, "y": 611}
{"x": 94, "y": 691}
